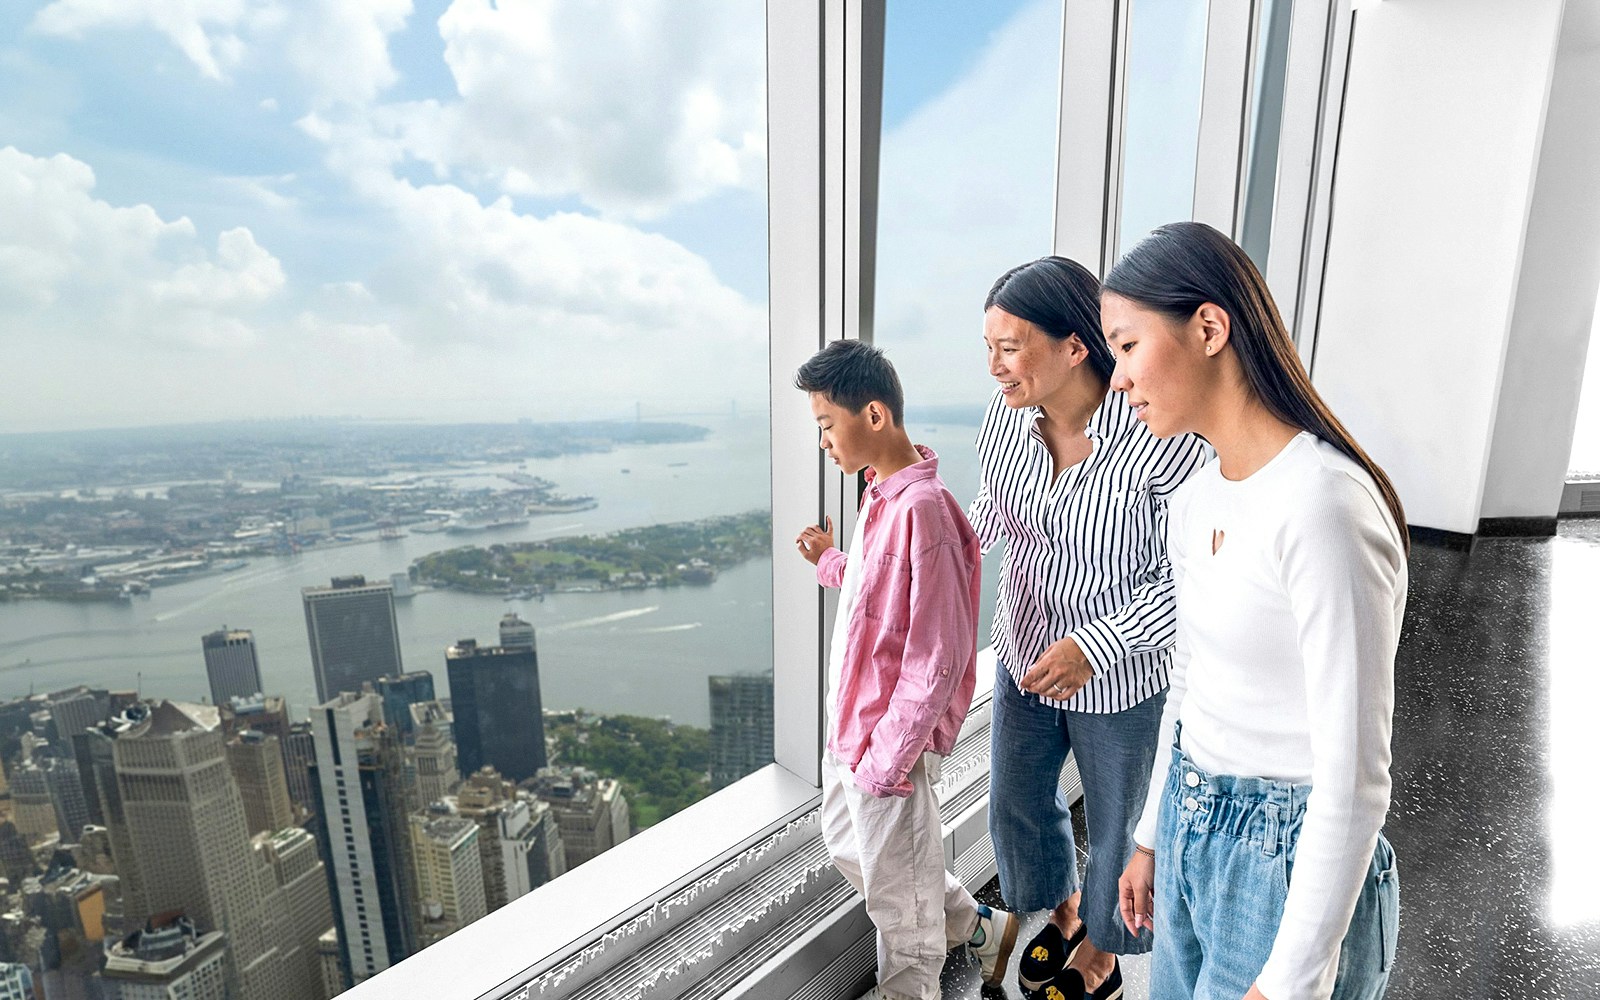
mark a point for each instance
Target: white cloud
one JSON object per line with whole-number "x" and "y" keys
{"x": 204, "y": 30}
{"x": 79, "y": 267}
{"x": 632, "y": 107}
{"x": 339, "y": 48}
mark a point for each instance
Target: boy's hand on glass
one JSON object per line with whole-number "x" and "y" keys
{"x": 814, "y": 541}
{"x": 1059, "y": 672}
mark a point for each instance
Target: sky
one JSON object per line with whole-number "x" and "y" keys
{"x": 453, "y": 210}
{"x": 395, "y": 209}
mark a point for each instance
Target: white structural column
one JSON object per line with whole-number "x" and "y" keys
{"x": 1552, "y": 319}
{"x": 1089, "y": 136}
{"x": 1444, "y": 116}
{"x": 1225, "y": 105}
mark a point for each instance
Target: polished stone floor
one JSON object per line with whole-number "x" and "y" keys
{"x": 1496, "y": 812}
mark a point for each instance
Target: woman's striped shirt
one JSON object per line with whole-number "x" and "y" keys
{"x": 1085, "y": 556}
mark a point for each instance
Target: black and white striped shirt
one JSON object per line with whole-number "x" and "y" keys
{"x": 1086, "y": 555}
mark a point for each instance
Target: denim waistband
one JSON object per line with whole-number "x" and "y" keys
{"x": 1257, "y": 810}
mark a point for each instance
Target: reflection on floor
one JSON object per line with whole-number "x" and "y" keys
{"x": 1495, "y": 818}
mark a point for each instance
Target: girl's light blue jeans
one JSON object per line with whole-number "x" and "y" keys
{"x": 1224, "y": 859}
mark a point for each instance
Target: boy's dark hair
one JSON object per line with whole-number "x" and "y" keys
{"x": 852, "y": 374}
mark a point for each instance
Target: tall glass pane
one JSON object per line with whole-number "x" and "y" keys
{"x": 966, "y": 189}
{"x": 1161, "y": 118}
{"x": 1266, "y": 124}
{"x": 415, "y": 355}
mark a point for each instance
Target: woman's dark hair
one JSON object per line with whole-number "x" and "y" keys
{"x": 1060, "y": 297}
{"x": 852, "y": 374}
{"x": 1183, "y": 265}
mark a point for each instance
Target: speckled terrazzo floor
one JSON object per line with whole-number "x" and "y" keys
{"x": 1496, "y": 814}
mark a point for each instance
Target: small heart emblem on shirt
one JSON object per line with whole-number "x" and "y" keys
{"x": 1216, "y": 540}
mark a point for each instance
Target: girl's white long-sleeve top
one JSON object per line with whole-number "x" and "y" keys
{"x": 1284, "y": 669}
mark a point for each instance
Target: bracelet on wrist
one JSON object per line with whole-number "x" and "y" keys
{"x": 1147, "y": 852}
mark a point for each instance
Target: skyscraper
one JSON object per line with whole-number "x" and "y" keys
{"x": 515, "y": 633}
{"x": 75, "y": 710}
{"x": 449, "y": 872}
{"x": 299, "y": 873}
{"x": 186, "y": 824}
{"x": 353, "y": 635}
{"x": 591, "y": 810}
{"x": 494, "y": 696}
{"x": 48, "y": 797}
{"x": 256, "y": 761}
{"x": 433, "y": 754}
{"x": 96, "y": 753}
{"x": 365, "y": 833}
{"x": 231, "y": 664}
{"x": 171, "y": 958}
{"x": 299, "y": 753}
{"x": 399, "y": 694}
{"x": 741, "y": 726}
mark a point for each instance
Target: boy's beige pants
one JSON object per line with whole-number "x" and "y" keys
{"x": 891, "y": 850}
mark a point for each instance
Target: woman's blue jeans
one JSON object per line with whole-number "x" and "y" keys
{"x": 1224, "y": 859}
{"x": 1029, "y": 821}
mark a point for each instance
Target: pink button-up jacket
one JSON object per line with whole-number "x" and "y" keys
{"x": 910, "y": 661}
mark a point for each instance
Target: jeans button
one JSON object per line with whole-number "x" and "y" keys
{"x": 1191, "y": 803}
{"x": 1191, "y": 779}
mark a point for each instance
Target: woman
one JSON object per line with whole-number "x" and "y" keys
{"x": 1260, "y": 848}
{"x": 1077, "y": 488}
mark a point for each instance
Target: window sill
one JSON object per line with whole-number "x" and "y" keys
{"x": 634, "y": 888}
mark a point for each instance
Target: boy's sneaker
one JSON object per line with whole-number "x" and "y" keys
{"x": 1045, "y": 956}
{"x": 999, "y": 930}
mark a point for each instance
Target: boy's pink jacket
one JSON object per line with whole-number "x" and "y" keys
{"x": 910, "y": 660}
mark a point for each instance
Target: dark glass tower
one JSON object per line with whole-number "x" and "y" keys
{"x": 494, "y": 694}
{"x": 353, "y": 634}
{"x": 399, "y": 694}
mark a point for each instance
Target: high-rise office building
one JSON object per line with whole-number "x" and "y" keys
{"x": 299, "y": 753}
{"x": 433, "y": 754}
{"x": 364, "y": 831}
{"x": 265, "y": 713}
{"x": 515, "y": 633}
{"x": 47, "y": 797}
{"x": 232, "y": 667}
{"x": 76, "y": 709}
{"x": 256, "y": 761}
{"x": 353, "y": 635}
{"x": 328, "y": 962}
{"x": 399, "y": 694}
{"x": 741, "y": 726}
{"x": 167, "y": 960}
{"x": 31, "y": 808}
{"x": 499, "y": 721}
{"x": 299, "y": 873}
{"x": 450, "y": 888}
{"x": 592, "y": 811}
{"x": 95, "y": 750}
{"x": 186, "y": 824}
{"x": 519, "y": 840}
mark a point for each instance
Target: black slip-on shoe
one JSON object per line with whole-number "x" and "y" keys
{"x": 1110, "y": 989}
{"x": 1046, "y": 955}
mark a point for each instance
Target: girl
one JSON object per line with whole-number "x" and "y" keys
{"x": 1259, "y": 855}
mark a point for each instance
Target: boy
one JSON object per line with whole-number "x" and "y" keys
{"x": 900, "y": 675}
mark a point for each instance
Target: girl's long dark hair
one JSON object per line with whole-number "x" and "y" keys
{"x": 1183, "y": 265}
{"x": 1060, "y": 297}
